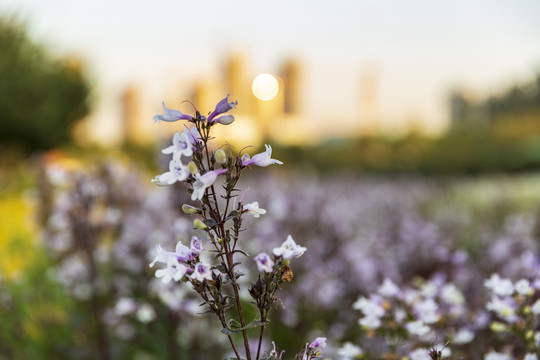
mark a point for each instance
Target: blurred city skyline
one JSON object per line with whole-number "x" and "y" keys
{"x": 393, "y": 62}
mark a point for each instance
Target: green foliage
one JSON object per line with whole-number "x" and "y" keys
{"x": 40, "y": 97}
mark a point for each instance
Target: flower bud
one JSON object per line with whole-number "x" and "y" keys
{"x": 286, "y": 262}
{"x": 190, "y": 210}
{"x": 225, "y": 120}
{"x": 199, "y": 224}
{"x": 497, "y": 326}
{"x": 220, "y": 156}
{"x": 192, "y": 168}
{"x": 529, "y": 335}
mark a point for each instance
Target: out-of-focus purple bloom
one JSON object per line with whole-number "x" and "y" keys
{"x": 499, "y": 286}
{"x": 504, "y": 308}
{"x": 202, "y": 272}
{"x": 493, "y": 355}
{"x": 261, "y": 159}
{"x": 222, "y": 107}
{"x": 523, "y": 287}
{"x": 171, "y": 115}
{"x": 289, "y": 249}
{"x": 417, "y": 328}
{"x": 388, "y": 288}
{"x": 318, "y": 342}
{"x": 204, "y": 181}
{"x": 349, "y": 351}
{"x": 264, "y": 262}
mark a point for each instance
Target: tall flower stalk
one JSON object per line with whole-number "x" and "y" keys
{"x": 219, "y": 213}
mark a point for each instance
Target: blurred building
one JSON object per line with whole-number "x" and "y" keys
{"x": 136, "y": 129}
{"x": 368, "y": 100}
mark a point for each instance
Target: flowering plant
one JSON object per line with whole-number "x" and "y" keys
{"x": 219, "y": 214}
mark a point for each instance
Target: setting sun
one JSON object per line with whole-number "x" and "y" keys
{"x": 265, "y": 87}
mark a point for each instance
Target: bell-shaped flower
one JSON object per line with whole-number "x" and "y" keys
{"x": 318, "y": 342}
{"x": 174, "y": 271}
{"x": 289, "y": 249}
{"x": 262, "y": 159}
{"x": 205, "y": 181}
{"x": 182, "y": 144}
{"x": 177, "y": 172}
{"x": 170, "y": 115}
{"x": 222, "y": 107}
{"x": 264, "y": 262}
{"x": 201, "y": 272}
{"x": 182, "y": 254}
{"x": 254, "y": 209}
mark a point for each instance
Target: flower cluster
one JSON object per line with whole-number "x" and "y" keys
{"x": 220, "y": 216}
{"x": 516, "y": 308}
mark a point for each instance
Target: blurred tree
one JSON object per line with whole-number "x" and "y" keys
{"x": 40, "y": 97}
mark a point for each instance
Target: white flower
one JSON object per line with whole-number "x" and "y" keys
{"x": 536, "y": 307}
{"x": 254, "y": 209}
{"x": 125, "y": 306}
{"x": 349, "y": 351}
{"x": 426, "y": 311}
{"x": 502, "y": 287}
{"x": 417, "y": 328}
{"x": 177, "y": 172}
{"x": 174, "y": 271}
{"x": 146, "y": 313}
{"x": 450, "y": 294}
{"x": 530, "y": 356}
{"x": 370, "y": 307}
{"x": 289, "y": 249}
{"x": 182, "y": 253}
{"x": 463, "y": 336}
{"x": 503, "y": 308}
{"x": 388, "y": 288}
{"x": 202, "y": 272}
{"x": 523, "y": 287}
{"x": 370, "y": 322}
{"x": 182, "y": 144}
{"x": 419, "y": 354}
{"x": 493, "y": 355}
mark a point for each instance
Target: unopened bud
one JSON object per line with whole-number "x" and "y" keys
{"x": 497, "y": 326}
{"x": 529, "y": 335}
{"x": 190, "y": 210}
{"x": 199, "y": 224}
{"x": 220, "y": 156}
{"x": 286, "y": 262}
{"x": 527, "y": 310}
{"x": 192, "y": 168}
{"x": 225, "y": 120}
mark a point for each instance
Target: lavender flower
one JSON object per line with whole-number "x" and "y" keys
{"x": 222, "y": 107}
{"x": 264, "y": 262}
{"x": 171, "y": 115}
{"x": 262, "y": 159}
{"x": 205, "y": 181}
{"x": 289, "y": 249}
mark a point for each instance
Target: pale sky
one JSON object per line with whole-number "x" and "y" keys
{"x": 420, "y": 48}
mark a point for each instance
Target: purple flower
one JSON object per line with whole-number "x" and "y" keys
{"x": 203, "y": 182}
{"x": 177, "y": 172}
{"x": 264, "y": 262}
{"x": 262, "y": 159}
{"x": 318, "y": 342}
{"x": 222, "y": 107}
{"x": 174, "y": 271}
{"x": 182, "y": 254}
{"x": 202, "y": 272}
{"x": 182, "y": 143}
{"x": 196, "y": 245}
{"x": 170, "y": 115}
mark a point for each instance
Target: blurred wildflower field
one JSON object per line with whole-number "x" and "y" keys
{"x": 394, "y": 265}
